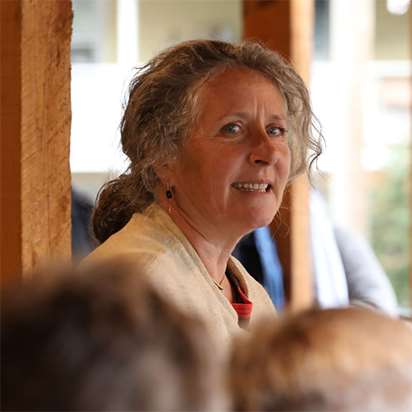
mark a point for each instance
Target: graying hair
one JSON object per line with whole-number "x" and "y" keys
{"x": 160, "y": 113}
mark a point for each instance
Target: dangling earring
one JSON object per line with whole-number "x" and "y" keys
{"x": 169, "y": 196}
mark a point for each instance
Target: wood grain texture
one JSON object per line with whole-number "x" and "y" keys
{"x": 286, "y": 26}
{"x": 268, "y": 21}
{"x": 43, "y": 131}
{"x": 301, "y": 284}
{"x": 10, "y": 120}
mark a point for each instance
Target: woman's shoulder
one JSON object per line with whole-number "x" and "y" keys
{"x": 142, "y": 239}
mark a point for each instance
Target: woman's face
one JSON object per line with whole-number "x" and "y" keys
{"x": 232, "y": 171}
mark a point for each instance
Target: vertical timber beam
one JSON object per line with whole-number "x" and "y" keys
{"x": 286, "y": 26}
{"x": 34, "y": 133}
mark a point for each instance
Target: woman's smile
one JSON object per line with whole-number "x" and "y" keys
{"x": 252, "y": 187}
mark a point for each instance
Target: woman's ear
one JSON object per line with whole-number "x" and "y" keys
{"x": 165, "y": 173}
{"x": 164, "y": 190}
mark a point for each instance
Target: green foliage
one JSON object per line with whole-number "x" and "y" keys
{"x": 390, "y": 220}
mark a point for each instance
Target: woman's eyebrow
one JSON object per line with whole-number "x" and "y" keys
{"x": 245, "y": 116}
{"x": 242, "y": 115}
{"x": 278, "y": 117}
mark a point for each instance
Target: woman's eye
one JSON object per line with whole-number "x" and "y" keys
{"x": 231, "y": 128}
{"x": 276, "y": 131}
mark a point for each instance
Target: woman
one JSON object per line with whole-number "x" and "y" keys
{"x": 214, "y": 132}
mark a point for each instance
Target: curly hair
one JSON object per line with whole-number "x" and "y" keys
{"x": 161, "y": 111}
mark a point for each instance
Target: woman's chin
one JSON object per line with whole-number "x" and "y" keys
{"x": 259, "y": 219}
{"x": 260, "y": 213}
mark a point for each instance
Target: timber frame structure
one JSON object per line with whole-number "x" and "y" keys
{"x": 35, "y": 134}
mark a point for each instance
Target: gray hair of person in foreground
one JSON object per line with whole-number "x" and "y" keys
{"x": 102, "y": 339}
{"x": 343, "y": 360}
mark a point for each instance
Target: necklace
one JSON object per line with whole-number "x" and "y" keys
{"x": 219, "y": 284}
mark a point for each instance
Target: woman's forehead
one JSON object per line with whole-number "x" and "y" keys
{"x": 228, "y": 76}
{"x": 232, "y": 88}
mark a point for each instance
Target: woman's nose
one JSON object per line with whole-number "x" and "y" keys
{"x": 263, "y": 152}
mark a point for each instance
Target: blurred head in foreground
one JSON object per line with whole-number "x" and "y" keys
{"x": 330, "y": 360}
{"x": 102, "y": 339}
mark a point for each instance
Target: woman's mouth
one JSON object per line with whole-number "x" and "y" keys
{"x": 252, "y": 187}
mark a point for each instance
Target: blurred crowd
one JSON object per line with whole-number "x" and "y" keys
{"x": 100, "y": 337}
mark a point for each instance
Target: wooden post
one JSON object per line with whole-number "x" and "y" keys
{"x": 34, "y": 133}
{"x": 286, "y": 26}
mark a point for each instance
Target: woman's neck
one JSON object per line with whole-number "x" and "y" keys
{"x": 212, "y": 246}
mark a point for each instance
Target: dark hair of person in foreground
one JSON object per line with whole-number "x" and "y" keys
{"x": 101, "y": 339}
{"x": 325, "y": 360}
